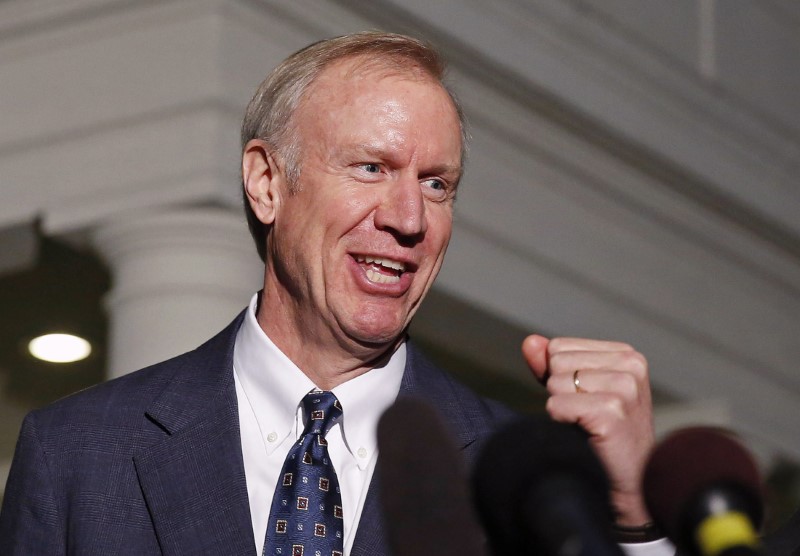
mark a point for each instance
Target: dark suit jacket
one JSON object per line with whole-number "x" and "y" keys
{"x": 151, "y": 463}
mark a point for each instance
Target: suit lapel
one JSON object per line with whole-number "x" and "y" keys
{"x": 424, "y": 381}
{"x": 193, "y": 480}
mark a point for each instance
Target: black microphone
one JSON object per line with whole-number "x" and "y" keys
{"x": 423, "y": 488}
{"x": 541, "y": 490}
{"x": 703, "y": 489}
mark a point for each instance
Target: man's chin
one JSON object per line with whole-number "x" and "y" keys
{"x": 375, "y": 326}
{"x": 377, "y": 338}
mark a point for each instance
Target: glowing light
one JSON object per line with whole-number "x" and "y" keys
{"x": 59, "y": 348}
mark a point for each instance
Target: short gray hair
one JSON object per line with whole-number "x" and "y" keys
{"x": 270, "y": 113}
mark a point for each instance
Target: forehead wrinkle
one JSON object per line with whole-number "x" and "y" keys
{"x": 326, "y": 96}
{"x": 359, "y": 148}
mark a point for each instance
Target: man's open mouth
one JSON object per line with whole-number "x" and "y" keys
{"x": 380, "y": 270}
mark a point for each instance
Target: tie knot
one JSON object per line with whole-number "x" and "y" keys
{"x": 322, "y": 411}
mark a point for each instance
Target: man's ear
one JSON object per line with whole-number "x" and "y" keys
{"x": 262, "y": 180}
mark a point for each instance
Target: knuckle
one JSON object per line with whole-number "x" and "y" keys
{"x": 555, "y": 345}
{"x": 555, "y": 408}
{"x": 551, "y": 406}
{"x": 615, "y": 407}
{"x": 636, "y": 362}
{"x": 559, "y": 363}
{"x": 627, "y": 385}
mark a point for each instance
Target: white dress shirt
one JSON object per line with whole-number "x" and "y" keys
{"x": 270, "y": 388}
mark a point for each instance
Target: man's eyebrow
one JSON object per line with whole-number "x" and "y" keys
{"x": 446, "y": 169}
{"x": 372, "y": 149}
{"x": 369, "y": 149}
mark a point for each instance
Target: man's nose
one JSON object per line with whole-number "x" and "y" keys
{"x": 402, "y": 209}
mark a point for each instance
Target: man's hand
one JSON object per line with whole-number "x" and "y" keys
{"x": 613, "y": 405}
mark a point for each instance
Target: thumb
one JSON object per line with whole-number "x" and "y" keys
{"x": 534, "y": 349}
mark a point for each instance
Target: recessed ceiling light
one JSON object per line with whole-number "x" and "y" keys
{"x": 59, "y": 348}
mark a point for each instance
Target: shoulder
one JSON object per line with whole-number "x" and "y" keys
{"x": 118, "y": 407}
{"x": 470, "y": 417}
{"x": 426, "y": 379}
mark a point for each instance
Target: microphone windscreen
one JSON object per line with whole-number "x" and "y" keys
{"x": 424, "y": 490}
{"x": 690, "y": 461}
{"x": 538, "y": 483}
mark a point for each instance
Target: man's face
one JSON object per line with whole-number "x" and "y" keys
{"x": 358, "y": 245}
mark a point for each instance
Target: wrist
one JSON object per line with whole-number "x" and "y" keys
{"x": 630, "y": 509}
{"x": 633, "y": 534}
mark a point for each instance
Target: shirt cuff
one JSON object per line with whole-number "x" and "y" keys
{"x": 660, "y": 547}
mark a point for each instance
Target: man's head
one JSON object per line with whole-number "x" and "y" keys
{"x": 269, "y": 115}
{"x": 355, "y": 193}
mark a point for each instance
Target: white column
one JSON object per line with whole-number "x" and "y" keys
{"x": 179, "y": 276}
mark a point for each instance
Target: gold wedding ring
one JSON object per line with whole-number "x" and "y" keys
{"x": 577, "y": 382}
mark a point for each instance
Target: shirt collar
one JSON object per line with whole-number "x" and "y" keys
{"x": 275, "y": 386}
{"x": 364, "y": 399}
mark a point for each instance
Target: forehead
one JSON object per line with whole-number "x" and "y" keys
{"x": 362, "y": 85}
{"x": 360, "y": 74}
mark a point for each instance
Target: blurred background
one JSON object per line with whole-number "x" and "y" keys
{"x": 633, "y": 175}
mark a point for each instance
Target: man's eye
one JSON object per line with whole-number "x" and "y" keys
{"x": 371, "y": 168}
{"x": 437, "y": 185}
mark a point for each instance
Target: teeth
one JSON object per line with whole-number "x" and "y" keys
{"x": 379, "y": 278}
{"x": 388, "y": 263}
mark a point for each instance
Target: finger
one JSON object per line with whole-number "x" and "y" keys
{"x": 558, "y": 345}
{"x": 567, "y": 362}
{"x": 534, "y": 349}
{"x": 605, "y": 416}
{"x": 623, "y": 384}
{"x": 595, "y": 413}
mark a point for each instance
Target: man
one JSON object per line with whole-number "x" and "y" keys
{"x": 352, "y": 155}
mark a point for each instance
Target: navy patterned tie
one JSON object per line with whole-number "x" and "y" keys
{"x": 306, "y": 515}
